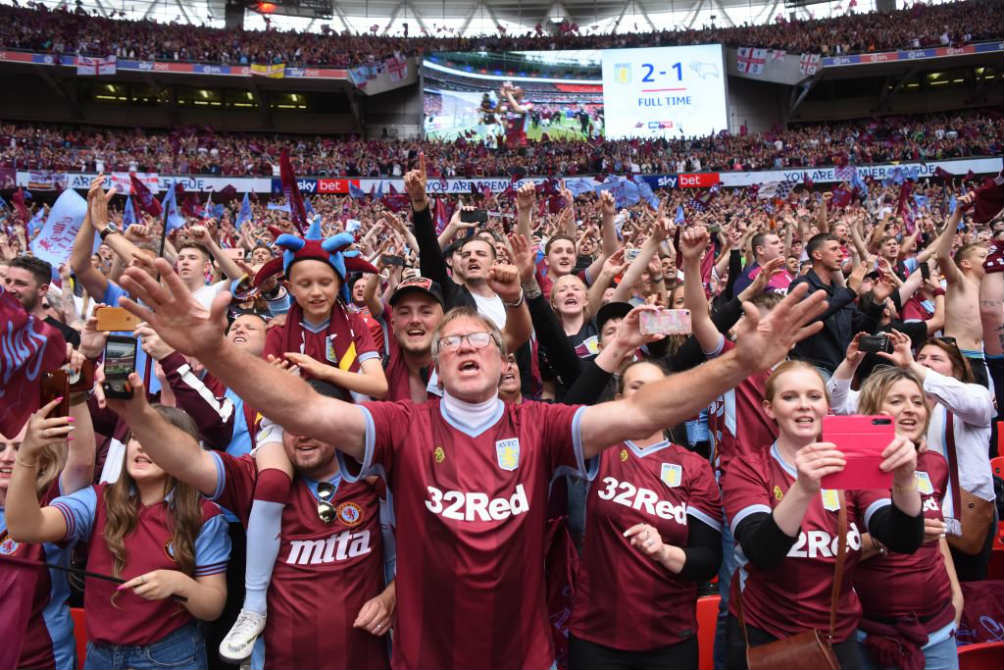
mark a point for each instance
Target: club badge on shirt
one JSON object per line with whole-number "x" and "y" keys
{"x": 329, "y": 348}
{"x": 831, "y": 501}
{"x": 8, "y": 546}
{"x": 671, "y": 474}
{"x": 350, "y": 514}
{"x": 507, "y": 453}
{"x": 924, "y": 484}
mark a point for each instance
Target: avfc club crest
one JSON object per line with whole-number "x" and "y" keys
{"x": 622, "y": 73}
{"x": 671, "y": 474}
{"x": 507, "y": 453}
{"x": 924, "y": 484}
{"x": 831, "y": 501}
{"x": 8, "y": 547}
{"x": 350, "y": 514}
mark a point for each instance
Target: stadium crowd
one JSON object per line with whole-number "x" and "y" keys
{"x": 195, "y": 151}
{"x": 412, "y": 374}
{"x": 40, "y": 29}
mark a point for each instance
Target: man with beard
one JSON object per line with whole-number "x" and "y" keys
{"x": 28, "y": 281}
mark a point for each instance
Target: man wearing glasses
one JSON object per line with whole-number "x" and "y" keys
{"x": 468, "y": 473}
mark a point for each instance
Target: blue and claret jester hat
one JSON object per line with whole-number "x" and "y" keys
{"x": 313, "y": 246}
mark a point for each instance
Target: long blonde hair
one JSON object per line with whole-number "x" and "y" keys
{"x": 51, "y": 461}
{"x": 121, "y": 507}
{"x": 876, "y": 387}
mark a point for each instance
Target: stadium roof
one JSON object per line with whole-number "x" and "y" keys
{"x": 473, "y": 17}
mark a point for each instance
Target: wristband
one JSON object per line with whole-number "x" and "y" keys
{"x": 939, "y": 291}
{"x": 110, "y": 229}
{"x": 514, "y": 305}
{"x": 656, "y": 279}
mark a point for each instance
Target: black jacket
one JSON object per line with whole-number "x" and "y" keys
{"x": 842, "y": 320}
{"x": 433, "y": 266}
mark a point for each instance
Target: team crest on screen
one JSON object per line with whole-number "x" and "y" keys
{"x": 350, "y": 514}
{"x": 507, "y": 453}
{"x": 329, "y": 348}
{"x": 831, "y": 501}
{"x": 622, "y": 73}
{"x": 8, "y": 546}
{"x": 924, "y": 484}
{"x": 671, "y": 474}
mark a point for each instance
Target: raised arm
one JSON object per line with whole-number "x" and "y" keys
{"x": 201, "y": 235}
{"x": 171, "y": 448}
{"x": 640, "y": 264}
{"x": 608, "y": 230}
{"x": 612, "y": 266}
{"x": 762, "y": 342}
{"x": 92, "y": 279}
{"x": 943, "y": 244}
{"x": 526, "y": 198}
{"x": 26, "y": 520}
{"x": 172, "y": 311}
{"x": 692, "y": 242}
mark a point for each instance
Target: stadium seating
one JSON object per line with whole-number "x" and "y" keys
{"x": 983, "y": 656}
{"x": 707, "y": 621}
{"x": 192, "y": 151}
{"x": 79, "y": 634}
{"x": 64, "y": 31}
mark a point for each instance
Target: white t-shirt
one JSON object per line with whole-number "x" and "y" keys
{"x": 206, "y": 294}
{"x": 492, "y": 308}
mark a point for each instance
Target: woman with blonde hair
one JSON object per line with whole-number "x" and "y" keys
{"x": 166, "y": 543}
{"x": 787, "y": 527}
{"x": 911, "y": 603}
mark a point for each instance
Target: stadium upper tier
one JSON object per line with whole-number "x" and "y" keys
{"x": 73, "y": 32}
{"x": 199, "y": 151}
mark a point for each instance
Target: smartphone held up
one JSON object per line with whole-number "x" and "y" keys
{"x": 665, "y": 322}
{"x": 120, "y": 362}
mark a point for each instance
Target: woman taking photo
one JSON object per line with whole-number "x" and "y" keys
{"x": 42, "y": 633}
{"x": 787, "y": 527}
{"x": 955, "y": 401}
{"x": 911, "y": 603}
{"x": 653, "y": 533}
{"x": 168, "y": 545}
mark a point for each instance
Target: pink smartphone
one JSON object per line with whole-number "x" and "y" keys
{"x": 665, "y": 322}
{"x": 862, "y": 439}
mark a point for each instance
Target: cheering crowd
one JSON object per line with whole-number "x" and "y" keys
{"x": 198, "y": 151}
{"x": 40, "y": 29}
{"x": 387, "y": 433}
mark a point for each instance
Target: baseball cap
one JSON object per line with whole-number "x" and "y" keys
{"x": 420, "y": 284}
{"x": 612, "y": 310}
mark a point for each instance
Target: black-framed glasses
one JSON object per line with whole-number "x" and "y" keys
{"x": 325, "y": 510}
{"x": 478, "y": 340}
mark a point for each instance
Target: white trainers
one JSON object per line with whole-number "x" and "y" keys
{"x": 239, "y": 642}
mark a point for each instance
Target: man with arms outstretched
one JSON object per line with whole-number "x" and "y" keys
{"x": 469, "y": 474}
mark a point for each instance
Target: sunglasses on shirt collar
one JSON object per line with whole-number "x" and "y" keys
{"x": 325, "y": 509}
